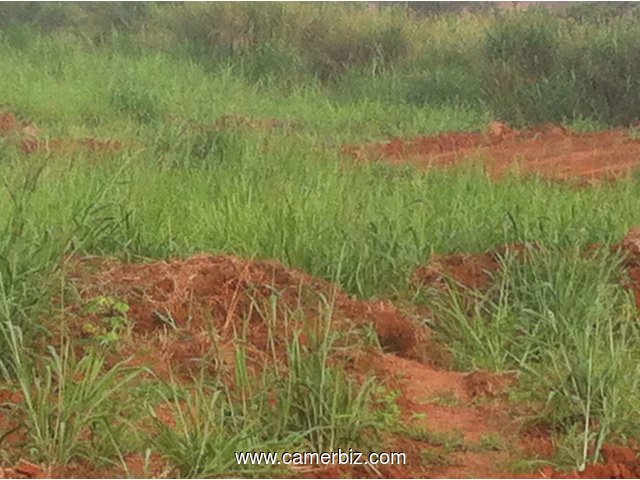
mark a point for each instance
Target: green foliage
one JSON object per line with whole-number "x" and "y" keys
{"x": 319, "y": 400}
{"x": 95, "y": 21}
{"x": 598, "y": 12}
{"x": 135, "y": 101}
{"x": 451, "y": 85}
{"x": 208, "y": 431}
{"x": 160, "y": 79}
{"x": 541, "y": 68}
{"x": 68, "y": 400}
{"x": 311, "y": 405}
{"x": 526, "y": 43}
{"x": 530, "y": 67}
{"x": 606, "y": 72}
{"x": 563, "y": 319}
{"x": 331, "y": 53}
{"x": 113, "y": 319}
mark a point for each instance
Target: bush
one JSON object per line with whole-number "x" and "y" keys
{"x": 95, "y": 21}
{"x": 448, "y": 86}
{"x": 333, "y": 48}
{"x": 536, "y": 68}
{"x": 606, "y": 68}
{"x": 526, "y": 43}
{"x": 601, "y": 11}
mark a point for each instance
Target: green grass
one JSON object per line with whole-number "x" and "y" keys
{"x": 561, "y": 319}
{"x": 308, "y": 404}
{"x": 72, "y": 408}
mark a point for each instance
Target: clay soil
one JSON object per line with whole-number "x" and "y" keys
{"x": 549, "y": 150}
{"x": 449, "y": 415}
{"x": 188, "y": 314}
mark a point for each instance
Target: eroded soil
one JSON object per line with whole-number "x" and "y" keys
{"x": 453, "y": 424}
{"x": 188, "y": 314}
{"x": 188, "y": 309}
{"x": 549, "y": 150}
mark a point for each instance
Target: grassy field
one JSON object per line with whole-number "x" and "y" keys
{"x": 284, "y": 191}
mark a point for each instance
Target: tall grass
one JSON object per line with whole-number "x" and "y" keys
{"x": 72, "y": 408}
{"x": 562, "y": 318}
{"x": 158, "y": 78}
{"x": 308, "y": 404}
{"x": 532, "y": 66}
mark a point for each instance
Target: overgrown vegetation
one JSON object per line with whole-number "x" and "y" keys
{"x": 561, "y": 318}
{"x": 158, "y": 78}
{"x": 574, "y": 64}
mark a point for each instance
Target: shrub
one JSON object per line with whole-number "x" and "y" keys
{"x": 527, "y": 43}
{"x": 332, "y": 49}
{"x": 606, "y": 68}
{"x": 537, "y": 69}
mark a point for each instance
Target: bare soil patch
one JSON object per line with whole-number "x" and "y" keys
{"x": 549, "y": 150}
{"x": 30, "y": 139}
{"x": 187, "y": 308}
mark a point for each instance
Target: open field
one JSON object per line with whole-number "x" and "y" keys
{"x": 412, "y": 234}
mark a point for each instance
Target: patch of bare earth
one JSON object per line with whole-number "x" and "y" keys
{"x": 549, "y": 150}
{"x": 30, "y": 139}
{"x": 186, "y": 313}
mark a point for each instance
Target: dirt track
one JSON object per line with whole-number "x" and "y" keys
{"x": 548, "y": 150}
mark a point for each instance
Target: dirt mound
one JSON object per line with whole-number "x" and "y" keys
{"x": 29, "y": 139}
{"x": 630, "y": 248}
{"x": 487, "y": 384}
{"x": 472, "y": 271}
{"x": 618, "y": 462}
{"x": 10, "y": 428}
{"x": 477, "y": 271}
{"x": 549, "y": 150}
{"x": 467, "y": 270}
{"x": 261, "y": 301}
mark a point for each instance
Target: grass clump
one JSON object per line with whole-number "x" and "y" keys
{"x": 208, "y": 432}
{"x": 563, "y": 319}
{"x": 72, "y": 408}
{"x": 309, "y": 404}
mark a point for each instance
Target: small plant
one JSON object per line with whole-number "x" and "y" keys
{"x": 430, "y": 457}
{"x": 320, "y": 400}
{"x": 113, "y": 319}
{"x": 443, "y": 399}
{"x": 73, "y": 408}
{"x": 387, "y": 411}
{"x": 450, "y": 441}
{"x": 491, "y": 441}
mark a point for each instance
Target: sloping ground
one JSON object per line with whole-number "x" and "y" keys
{"x": 181, "y": 306}
{"x": 453, "y": 424}
{"x": 548, "y": 150}
{"x": 453, "y": 416}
